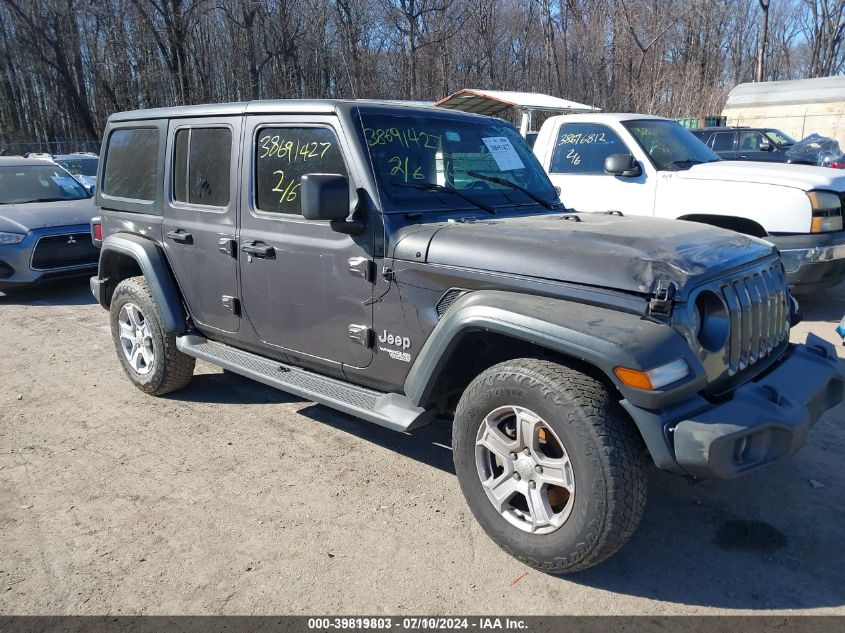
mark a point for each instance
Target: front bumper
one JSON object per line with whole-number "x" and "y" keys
{"x": 16, "y": 269}
{"x": 764, "y": 420}
{"x": 812, "y": 262}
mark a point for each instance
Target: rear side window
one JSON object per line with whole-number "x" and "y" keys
{"x": 201, "y": 169}
{"x": 723, "y": 142}
{"x": 582, "y": 147}
{"x": 131, "y": 169}
{"x": 283, "y": 155}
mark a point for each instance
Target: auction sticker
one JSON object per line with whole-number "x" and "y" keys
{"x": 503, "y": 153}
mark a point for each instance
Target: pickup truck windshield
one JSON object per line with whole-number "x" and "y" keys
{"x": 20, "y": 184}
{"x": 442, "y": 153}
{"x": 670, "y": 146}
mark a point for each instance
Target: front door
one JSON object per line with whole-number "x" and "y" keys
{"x": 305, "y": 287}
{"x": 577, "y": 167}
{"x": 199, "y": 217}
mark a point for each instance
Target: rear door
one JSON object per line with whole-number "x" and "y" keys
{"x": 200, "y": 213}
{"x": 723, "y": 143}
{"x": 305, "y": 287}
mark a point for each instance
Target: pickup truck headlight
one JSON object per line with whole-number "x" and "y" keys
{"x": 827, "y": 211}
{"x": 11, "y": 238}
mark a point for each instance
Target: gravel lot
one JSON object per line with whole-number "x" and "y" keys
{"x": 229, "y": 497}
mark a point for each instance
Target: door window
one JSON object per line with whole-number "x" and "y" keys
{"x": 750, "y": 141}
{"x": 283, "y": 155}
{"x": 582, "y": 148}
{"x": 201, "y": 169}
{"x": 723, "y": 142}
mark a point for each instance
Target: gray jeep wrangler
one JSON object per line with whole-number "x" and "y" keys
{"x": 402, "y": 264}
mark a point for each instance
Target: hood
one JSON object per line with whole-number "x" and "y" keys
{"x": 623, "y": 253}
{"x": 806, "y": 177}
{"x": 20, "y": 218}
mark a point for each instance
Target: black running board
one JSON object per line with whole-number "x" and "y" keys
{"x": 391, "y": 410}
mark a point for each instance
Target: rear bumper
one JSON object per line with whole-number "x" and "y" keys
{"x": 812, "y": 262}
{"x": 765, "y": 420}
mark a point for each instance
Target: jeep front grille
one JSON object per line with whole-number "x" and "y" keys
{"x": 759, "y": 315}
{"x": 64, "y": 251}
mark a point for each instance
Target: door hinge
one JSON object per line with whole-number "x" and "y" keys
{"x": 228, "y": 246}
{"x": 662, "y": 298}
{"x": 231, "y": 304}
{"x": 361, "y": 334}
{"x": 362, "y": 267}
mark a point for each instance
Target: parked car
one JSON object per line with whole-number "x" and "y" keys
{"x": 83, "y": 166}
{"x": 45, "y": 217}
{"x": 645, "y": 165}
{"x": 770, "y": 145}
{"x": 402, "y": 264}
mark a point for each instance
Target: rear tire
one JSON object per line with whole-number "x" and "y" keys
{"x": 148, "y": 354}
{"x": 566, "y": 491}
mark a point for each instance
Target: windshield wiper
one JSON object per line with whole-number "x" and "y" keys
{"x": 689, "y": 162}
{"x": 513, "y": 185}
{"x": 47, "y": 200}
{"x": 430, "y": 186}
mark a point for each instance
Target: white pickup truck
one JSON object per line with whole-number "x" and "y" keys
{"x": 644, "y": 165}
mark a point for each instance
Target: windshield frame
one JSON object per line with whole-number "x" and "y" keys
{"x": 54, "y": 168}
{"x": 699, "y": 145}
{"x": 444, "y": 203}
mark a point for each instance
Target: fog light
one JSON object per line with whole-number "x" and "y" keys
{"x": 6, "y": 271}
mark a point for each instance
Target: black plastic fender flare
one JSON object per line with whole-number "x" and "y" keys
{"x": 153, "y": 264}
{"x": 601, "y": 337}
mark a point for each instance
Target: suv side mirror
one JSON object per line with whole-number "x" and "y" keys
{"x": 622, "y": 165}
{"x": 324, "y": 197}
{"x": 765, "y": 146}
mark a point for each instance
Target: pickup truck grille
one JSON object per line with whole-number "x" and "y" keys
{"x": 759, "y": 315}
{"x": 64, "y": 251}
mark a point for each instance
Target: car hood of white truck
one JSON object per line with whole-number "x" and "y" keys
{"x": 806, "y": 177}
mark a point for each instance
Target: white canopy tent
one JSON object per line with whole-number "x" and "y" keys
{"x": 492, "y": 102}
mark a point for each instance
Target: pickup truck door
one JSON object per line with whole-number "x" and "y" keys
{"x": 305, "y": 287}
{"x": 575, "y": 164}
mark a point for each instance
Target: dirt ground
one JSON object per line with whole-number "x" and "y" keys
{"x": 229, "y": 497}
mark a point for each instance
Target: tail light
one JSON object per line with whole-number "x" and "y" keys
{"x": 837, "y": 164}
{"x": 96, "y": 231}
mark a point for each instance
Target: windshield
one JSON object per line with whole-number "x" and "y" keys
{"x": 779, "y": 138}
{"x": 79, "y": 166}
{"x": 38, "y": 183}
{"x": 419, "y": 158}
{"x": 670, "y": 146}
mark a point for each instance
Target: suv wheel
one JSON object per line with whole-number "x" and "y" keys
{"x": 148, "y": 354}
{"x": 549, "y": 465}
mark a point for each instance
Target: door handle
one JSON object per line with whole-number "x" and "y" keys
{"x": 181, "y": 237}
{"x": 263, "y": 251}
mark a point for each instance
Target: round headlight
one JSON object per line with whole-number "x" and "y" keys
{"x": 713, "y": 321}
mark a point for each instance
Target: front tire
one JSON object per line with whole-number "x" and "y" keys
{"x": 549, "y": 465}
{"x": 148, "y": 354}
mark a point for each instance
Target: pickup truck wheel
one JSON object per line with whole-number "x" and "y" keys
{"x": 548, "y": 464}
{"x": 148, "y": 354}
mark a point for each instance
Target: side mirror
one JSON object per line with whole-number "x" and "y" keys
{"x": 765, "y": 146}
{"x": 324, "y": 197}
{"x": 623, "y": 165}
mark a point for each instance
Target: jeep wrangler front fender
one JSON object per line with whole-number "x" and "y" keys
{"x": 598, "y": 336}
{"x": 153, "y": 265}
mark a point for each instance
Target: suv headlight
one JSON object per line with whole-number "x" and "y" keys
{"x": 827, "y": 211}
{"x": 11, "y": 238}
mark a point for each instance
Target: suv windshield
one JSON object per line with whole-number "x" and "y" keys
{"x": 670, "y": 146}
{"x": 38, "y": 183}
{"x": 779, "y": 138}
{"x": 420, "y": 160}
{"x": 79, "y": 166}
